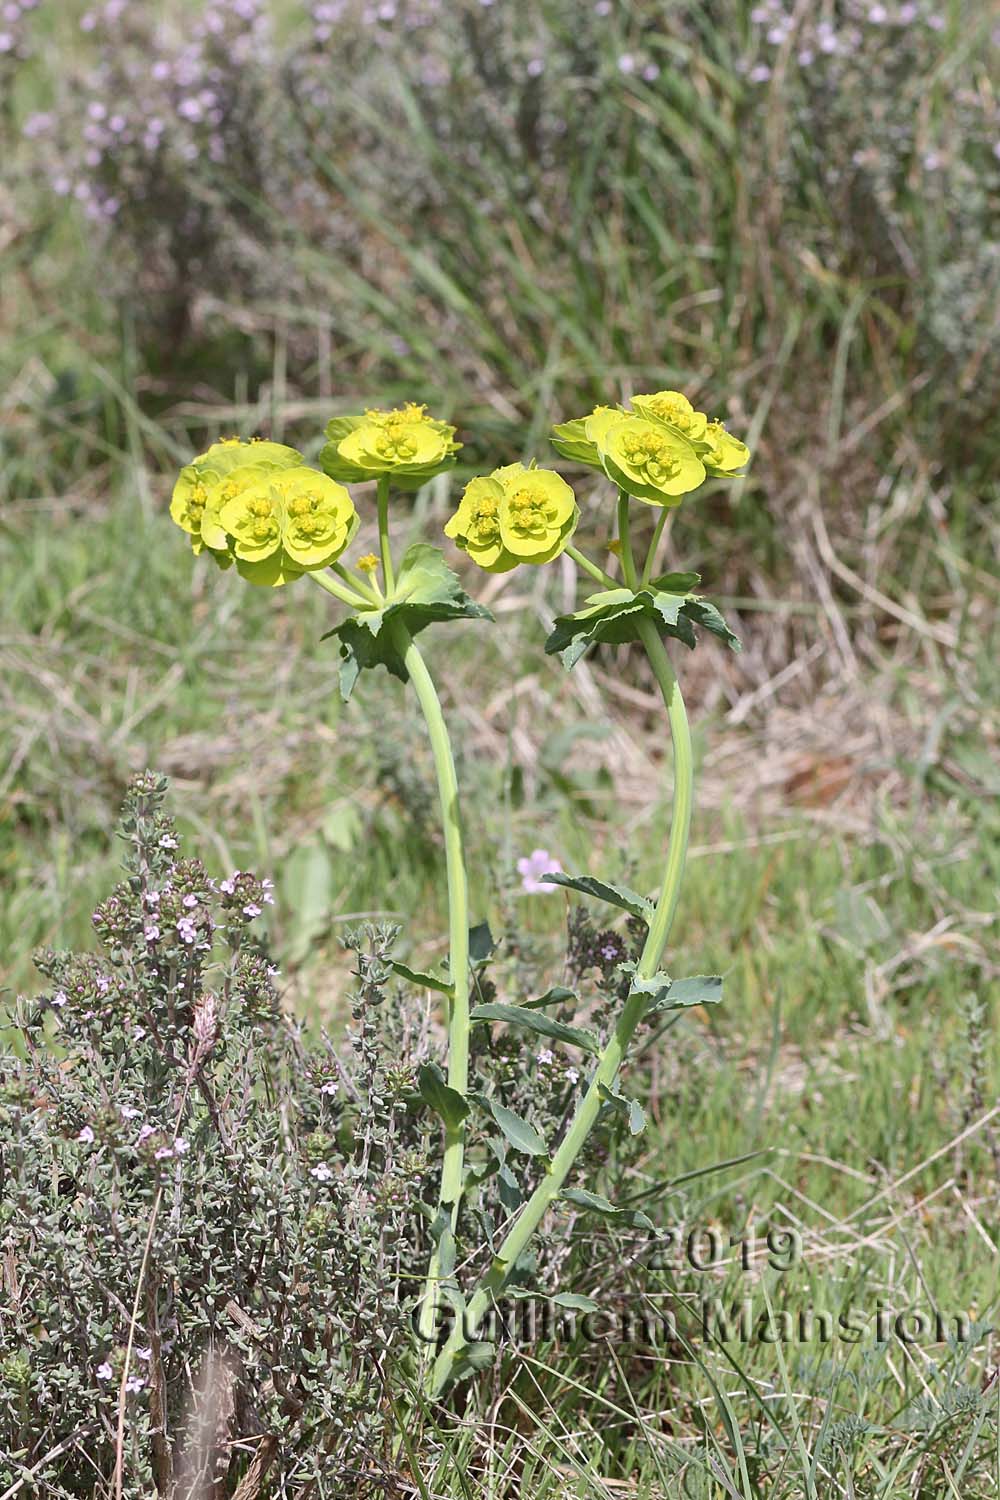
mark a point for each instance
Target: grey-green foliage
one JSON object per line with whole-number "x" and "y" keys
{"x": 168, "y": 1142}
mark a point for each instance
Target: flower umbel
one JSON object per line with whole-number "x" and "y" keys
{"x": 287, "y": 522}
{"x": 514, "y": 515}
{"x": 405, "y": 443}
{"x": 198, "y": 494}
{"x": 659, "y": 451}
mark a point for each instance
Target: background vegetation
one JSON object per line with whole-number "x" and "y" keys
{"x": 222, "y": 218}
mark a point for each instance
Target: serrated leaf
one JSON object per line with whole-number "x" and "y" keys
{"x": 521, "y": 1135}
{"x": 611, "y": 617}
{"x": 426, "y": 591}
{"x": 678, "y": 994}
{"x": 425, "y": 981}
{"x": 594, "y": 1203}
{"x": 442, "y": 1099}
{"x": 482, "y": 944}
{"x": 575, "y": 1302}
{"x": 676, "y": 583}
{"x": 630, "y": 1109}
{"x": 471, "y": 1358}
{"x": 615, "y": 895}
{"x": 532, "y": 1020}
{"x": 557, "y": 995}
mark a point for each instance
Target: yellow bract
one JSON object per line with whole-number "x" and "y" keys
{"x": 658, "y": 452}
{"x": 674, "y": 408}
{"x": 514, "y": 515}
{"x": 405, "y": 443}
{"x": 286, "y": 522}
{"x": 196, "y": 499}
{"x": 651, "y": 461}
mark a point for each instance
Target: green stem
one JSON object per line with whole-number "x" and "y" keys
{"x": 591, "y": 567}
{"x": 614, "y": 1051}
{"x": 383, "y": 533}
{"x": 625, "y": 538}
{"x": 346, "y": 596}
{"x": 647, "y": 570}
{"x": 370, "y": 591}
{"x": 452, "y": 1166}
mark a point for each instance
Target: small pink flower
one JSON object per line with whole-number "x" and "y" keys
{"x": 145, "y": 1131}
{"x": 86, "y": 1136}
{"x": 104, "y": 1371}
{"x": 252, "y": 909}
{"x": 190, "y": 901}
{"x": 321, "y": 1173}
{"x": 151, "y": 932}
{"x": 533, "y": 866}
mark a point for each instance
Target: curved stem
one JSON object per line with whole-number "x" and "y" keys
{"x": 346, "y": 596}
{"x": 625, "y": 537}
{"x": 360, "y": 585}
{"x": 614, "y": 1050}
{"x": 666, "y": 515}
{"x": 383, "y": 533}
{"x": 584, "y": 562}
{"x": 452, "y": 1166}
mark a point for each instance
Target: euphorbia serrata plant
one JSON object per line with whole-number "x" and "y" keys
{"x": 260, "y": 506}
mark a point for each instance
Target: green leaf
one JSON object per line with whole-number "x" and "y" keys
{"x": 676, "y": 583}
{"x": 531, "y": 1020}
{"x": 471, "y": 1359}
{"x": 521, "y": 1135}
{"x": 575, "y": 1302}
{"x": 612, "y": 616}
{"x": 595, "y": 1204}
{"x": 425, "y": 981}
{"x": 677, "y": 994}
{"x": 630, "y": 1109}
{"x": 557, "y": 995}
{"x": 426, "y": 591}
{"x": 442, "y": 1099}
{"x": 615, "y": 895}
{"x": 482, "y": 944}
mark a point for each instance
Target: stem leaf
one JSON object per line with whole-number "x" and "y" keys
{"x": 425, "y": 981}
{"x": 594, "y": 1203}
{"x": 533, "y": 1020}
{"x": 521, "y": 1135}
{"x": 630, "y": 1109}
{"x": 444, "y": 1101}
{"x": 615, "y": 895}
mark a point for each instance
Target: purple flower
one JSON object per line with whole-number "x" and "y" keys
{"x": 329, "y": 1087}
{"x": 181, "y": 1145}
{"x": 546, "y": 1056}
{"x": 134, "y": 1384}
{"x": 59, "y": 999}
{"x": 86, "y": 1136}
{"x": 190, "y": 901}
{"x": 626, "y": 63}
{"x": 145, "y": 1131}
{"x": 145, "y": 1354}
{"x": 186, "y": 930}
{"x": 572, "y": 1075}
{"x": 321, "y": 1173}
{"x": 104, "y": 1371}
{"x": 533, "y": 866}
{"x": 129, "y": 1112}
{"x": 760, "y": 74}
{"x": 168, "y": 841}
{"x": 151, "y": 932}
{"x": 252, "y": 909}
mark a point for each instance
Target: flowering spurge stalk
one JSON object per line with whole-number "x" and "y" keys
{"x": 659, "y": 452}
{"x": 259, "y": 505}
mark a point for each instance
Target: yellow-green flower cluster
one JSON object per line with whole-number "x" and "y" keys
{"x": 514, "y": 515}
{"x": 258, "y": 504}
{"x": 404, "y": 443}
{"x": 659, "y": 451}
